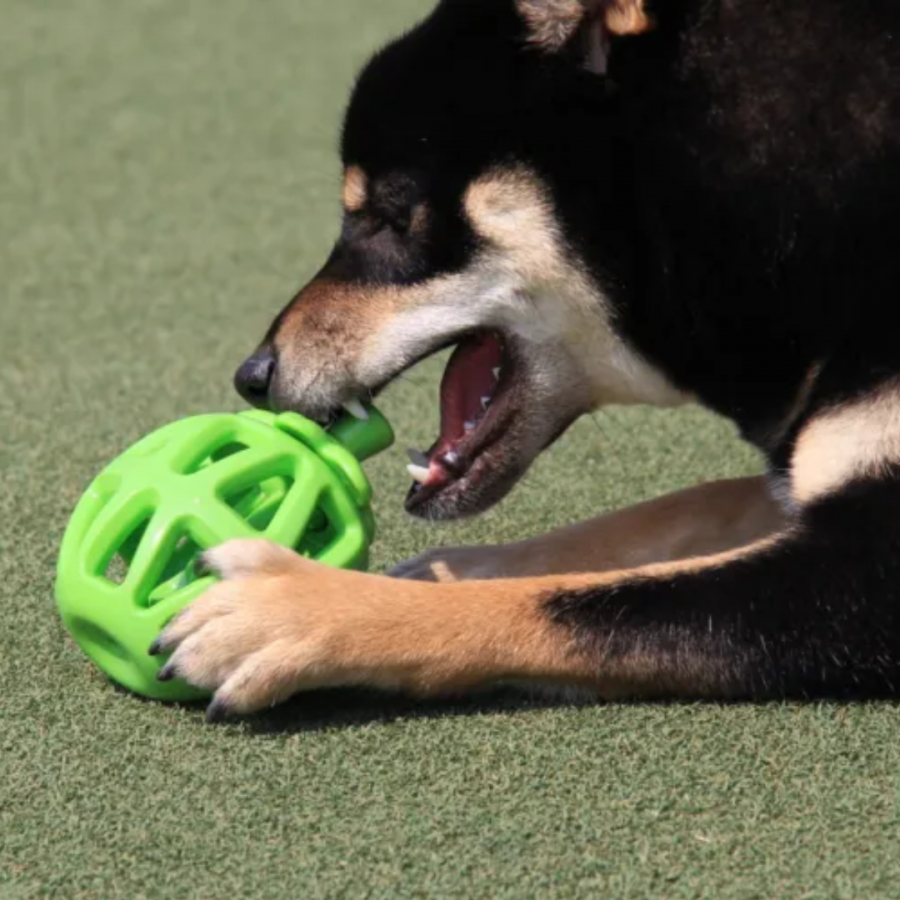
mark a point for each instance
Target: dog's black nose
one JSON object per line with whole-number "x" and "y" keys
{"x": 252, "y": 379}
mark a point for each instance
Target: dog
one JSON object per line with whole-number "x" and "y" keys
{"x": 604, "y": 202}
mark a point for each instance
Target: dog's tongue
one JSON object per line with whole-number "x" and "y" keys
{"x": 469, "y": 382}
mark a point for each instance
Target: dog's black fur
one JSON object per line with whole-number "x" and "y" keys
{"x": 731, "y": 183}
{"x": 734, "y": 181}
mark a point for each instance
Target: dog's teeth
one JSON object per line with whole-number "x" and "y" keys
{"x": 418, "y": 458}
{"x": 485, "y": 402}
{"x": 497, "y": 373}
{"x": 451, "y": 462}
{"x": 418, "y": 473}
{"x": 356, "y": 409}
{"x": 469, "y": 426}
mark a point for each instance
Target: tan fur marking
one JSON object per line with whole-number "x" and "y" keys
{"x": 552, "y": 23}
{"x": 356, "y": 189}
{"x": 513, "y": 211}
{"x": 627, "y": 17}
{"x": 461, "y": 637}
{"x": 854, "y": 441}
{"x": 326, "y": 326}
{"x": 696, "y": 563}
{"x": 700, "y": 521}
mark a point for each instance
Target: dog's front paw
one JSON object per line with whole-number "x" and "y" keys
{"x": 446, "y": 565}
{"x": 276, "y": 624}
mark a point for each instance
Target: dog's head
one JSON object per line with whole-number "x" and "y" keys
{"x": 486, "y": 207}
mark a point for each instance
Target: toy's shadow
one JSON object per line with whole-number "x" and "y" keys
{"x": 341, "y": 708}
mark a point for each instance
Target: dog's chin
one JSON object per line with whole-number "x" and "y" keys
{"x": 493, "y": 426}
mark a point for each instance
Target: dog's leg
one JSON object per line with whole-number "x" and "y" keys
{"x": 809, "y": 611}
{"x": 707, "y": 519}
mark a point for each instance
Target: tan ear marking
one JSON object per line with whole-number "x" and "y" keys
{"x": 552, "y": 23}
{"x": 626, "y": 17}
{"x": 356, "y": 189}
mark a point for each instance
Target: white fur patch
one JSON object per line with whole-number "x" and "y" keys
{"x": 526, "y": 285}
{"x": 854, "y": 441}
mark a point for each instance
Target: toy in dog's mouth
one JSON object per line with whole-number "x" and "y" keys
{"x": 468, "y": 459}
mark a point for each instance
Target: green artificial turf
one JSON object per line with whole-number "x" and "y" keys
{"x": 167, "y": 179}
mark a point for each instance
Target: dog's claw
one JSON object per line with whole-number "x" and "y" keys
{"x": 216, "y": 712}
{"x": 166, "y": 673}
{"x": 202, "y": 566}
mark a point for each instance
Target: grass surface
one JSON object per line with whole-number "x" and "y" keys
{"x": 167, "y": 178}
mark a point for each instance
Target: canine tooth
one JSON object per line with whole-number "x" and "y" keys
{"x": 497, "y": 373}
{"x": 485, "y": 402}
{"x": 355, "y": 408}
{"x": 418, "y": 473}
{"x": 418, "y": 458}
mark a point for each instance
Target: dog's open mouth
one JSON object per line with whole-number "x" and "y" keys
{"x": 477, "y": 407}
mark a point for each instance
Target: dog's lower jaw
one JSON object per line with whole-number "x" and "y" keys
{"x": 497, "y": 467}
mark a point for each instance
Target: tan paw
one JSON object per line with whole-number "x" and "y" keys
{"x": 275, "y": 625}
{"x": 244, "y": 557}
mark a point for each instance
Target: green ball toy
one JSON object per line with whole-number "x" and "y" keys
{"x": 127, "y": 562}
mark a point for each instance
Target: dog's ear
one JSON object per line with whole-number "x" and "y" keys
{"x": 552, "y": 24}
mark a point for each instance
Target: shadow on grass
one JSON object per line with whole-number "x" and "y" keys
{"x": 339, "y": 708}
{"x": 344, "y": 707}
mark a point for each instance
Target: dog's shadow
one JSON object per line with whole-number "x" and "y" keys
{"x": 345, "y": 708}
{"x": 338, "y": 708}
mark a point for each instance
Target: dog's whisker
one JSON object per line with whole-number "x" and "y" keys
{"x": 599, "y": 427}
{"x": 605, "y": 433}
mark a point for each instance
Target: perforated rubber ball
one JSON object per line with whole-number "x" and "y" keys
{"x": 127, "y": 562}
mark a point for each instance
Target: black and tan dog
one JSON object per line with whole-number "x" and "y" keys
{"x": 595, "y": 202}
